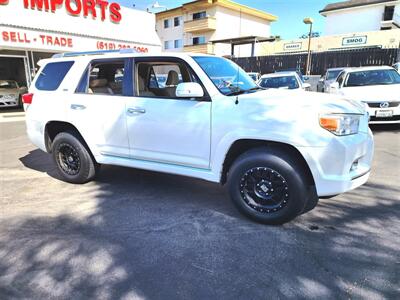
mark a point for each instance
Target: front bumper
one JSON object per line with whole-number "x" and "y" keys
{"x": 8, "y": 101}
{"x": 344, "y": 164}
{"x": 376, "y": 119}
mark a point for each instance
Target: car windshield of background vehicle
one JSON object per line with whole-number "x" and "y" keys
{"x": 373, "y": 77}
{"x": 288, "y": 82}
{"x": 8, "y": 85}
{"x": 331, "y": 75}
{"x": 227, "y": 76}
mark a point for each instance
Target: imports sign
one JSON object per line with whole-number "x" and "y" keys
{"x": 292, "y": 46}
{"x": 96, "y": 9}
{"x": 354, "y": 40}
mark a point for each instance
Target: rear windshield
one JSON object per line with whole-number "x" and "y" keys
{"x": 52, "y": 75}
{"x": 288, "y": 82}
{"x": 333, "y": 74}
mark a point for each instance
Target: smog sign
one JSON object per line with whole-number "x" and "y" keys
{"x": 292, "y": 46}
{"x": 354, "y": 40}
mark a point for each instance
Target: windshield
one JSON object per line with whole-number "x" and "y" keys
{"x": 332, "y": 74}
{"x": 227, "y": 76}
{"x": 288, "y": 82}
{"x": 372, "y": 77}
{"x": 8, "y": 85}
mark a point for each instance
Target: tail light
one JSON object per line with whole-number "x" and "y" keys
{"x": 27, "y": 98}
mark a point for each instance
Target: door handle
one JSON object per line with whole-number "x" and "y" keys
{"x": 136, "y": 110}
{"x": 78, "y": 107}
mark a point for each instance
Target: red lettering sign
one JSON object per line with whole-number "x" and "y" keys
{"x": 3, "y": 2}
{"x": 77, "y": 7}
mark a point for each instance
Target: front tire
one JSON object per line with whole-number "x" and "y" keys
{"x": 268, "y": 186}
{"x": 73, "y": 160}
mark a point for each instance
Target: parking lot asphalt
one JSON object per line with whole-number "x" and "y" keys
{"x": 134, "y": 234}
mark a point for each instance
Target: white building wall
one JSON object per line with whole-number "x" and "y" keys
{"x": 170, "y": 34}
{"x": 359, "y": 19}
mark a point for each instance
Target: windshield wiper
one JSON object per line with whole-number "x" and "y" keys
{"x": 240, "y": 91}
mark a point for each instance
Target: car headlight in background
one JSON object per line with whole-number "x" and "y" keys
{"x": 340, "y": 124}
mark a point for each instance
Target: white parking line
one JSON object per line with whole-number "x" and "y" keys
{"x": 7, "y": 117}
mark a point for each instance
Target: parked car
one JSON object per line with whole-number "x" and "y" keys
{"x": 10, "y": 93}
{"x": 397, "y": 66}
{"x": 255, "y": 76}
{"x": 276, "y": 150}
{"x": 326, "y": 79}
{"x": 283, "y": 80}
{"x": 298, "y": 71}
{"x": 377, "y": 87}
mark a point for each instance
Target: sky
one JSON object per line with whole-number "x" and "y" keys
{"x": 290, "y": 13}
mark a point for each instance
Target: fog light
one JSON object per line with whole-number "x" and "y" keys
{"x": 354, "y": 166}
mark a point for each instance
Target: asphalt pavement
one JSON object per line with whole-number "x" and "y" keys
{"x": 135, "y": 234}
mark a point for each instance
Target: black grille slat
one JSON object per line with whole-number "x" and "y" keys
{"x": 378, "y": 104}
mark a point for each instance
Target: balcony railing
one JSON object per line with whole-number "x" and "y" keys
{"x": 201, "y": 25}
{"x": 206, "y": 48}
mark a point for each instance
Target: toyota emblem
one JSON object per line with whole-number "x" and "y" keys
{"x": 384, "y": 104}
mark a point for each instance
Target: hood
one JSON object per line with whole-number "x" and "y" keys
{"x": 299, "y": 99}
{"x": 373, "y": 93}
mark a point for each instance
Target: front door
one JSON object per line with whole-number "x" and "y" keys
{"x": 161, "y": 127}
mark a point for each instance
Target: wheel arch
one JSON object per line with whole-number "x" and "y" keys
{"x": 241, "y": 146}
{"x": 53, "y": 128}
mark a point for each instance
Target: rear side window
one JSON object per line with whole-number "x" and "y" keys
{"x": 52, "y": 75}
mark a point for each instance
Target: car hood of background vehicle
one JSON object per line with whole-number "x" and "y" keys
{"x": 298, "y": 99}
{"x": 8, "y": 91}
{"x": 373, "y": 93}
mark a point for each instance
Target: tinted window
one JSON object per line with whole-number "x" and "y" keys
{"x": 373, "y": 77}
{"x": 288, "y": 82}
{"x": 52, "y": 75}
{"x": 106, "y": 77}
{"x": 332, "y": 74}
{"x": 199, "y": 15}
{"x": 177, "y": 21}
{"x": 199, "y": 40}
{"x": 166, "y": 23}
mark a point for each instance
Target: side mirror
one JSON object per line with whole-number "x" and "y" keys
{"x": 307, "y": 86}
{"x": 334, "y": 85}
{"x": 189, "y": 90}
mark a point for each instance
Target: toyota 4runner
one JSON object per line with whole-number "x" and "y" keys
{"x": 278, "y": 151}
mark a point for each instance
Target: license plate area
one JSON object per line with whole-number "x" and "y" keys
{"x": 384, "y": 113}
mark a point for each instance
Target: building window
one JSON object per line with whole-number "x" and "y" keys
{"x": 199, "y": 40}
{"x": 199, "y": 15}
{"x": 177, "y": 21}
{"x": 178, "y": 44}
{"x": 167, "y": 44}
{"x": 167, "y": 23}
{"x": 388, "y": 14}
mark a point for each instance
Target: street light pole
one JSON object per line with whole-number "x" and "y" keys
{"x": 308, "y": 66}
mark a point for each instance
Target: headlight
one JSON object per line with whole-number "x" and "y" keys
{"x": 340, "y": 124}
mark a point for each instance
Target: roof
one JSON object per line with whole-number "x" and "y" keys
{"x": 350, "y": 4}
{"x": 368, "y": 68}
{"x": 202, "y": 4}
{"x": 280, "y": 74}
{"x": 244, "y": 40}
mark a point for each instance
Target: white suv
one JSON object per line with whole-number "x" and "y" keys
{"x": 277, "y": 150}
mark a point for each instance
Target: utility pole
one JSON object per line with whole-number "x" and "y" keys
{"x": 309, "y": 21}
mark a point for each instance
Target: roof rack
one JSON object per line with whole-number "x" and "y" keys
{"x": 98, "y": 52}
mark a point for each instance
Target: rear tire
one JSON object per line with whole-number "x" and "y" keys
{"x": 73, "y": 160}
{"x": 268, "y": 186}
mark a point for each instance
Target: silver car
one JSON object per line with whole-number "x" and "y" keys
{"x": 10, "y": 93}
{"x": 328, "y": 78}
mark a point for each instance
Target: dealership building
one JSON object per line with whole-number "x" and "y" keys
{"x": 31, "y": 30}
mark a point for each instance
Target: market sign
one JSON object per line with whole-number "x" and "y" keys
{"x": 97, "y": 9}
{"x": 354, "y": 40}
{"x": 292, "y": 46}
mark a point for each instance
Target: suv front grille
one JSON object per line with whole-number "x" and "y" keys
{"x": 378, "y": 104}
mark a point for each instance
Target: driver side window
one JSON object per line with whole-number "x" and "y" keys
{"x": 159, "y": 79}
{"x": 340, "y": 78}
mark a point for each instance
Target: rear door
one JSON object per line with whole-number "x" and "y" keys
{"x": 98, "y": 106}
{"x": 161, "y": 127}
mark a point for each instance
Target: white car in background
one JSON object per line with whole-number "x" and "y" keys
{"x": 10, "y": 93}
{"x": 283, "y": 80}
{"x": 327, "y": 79}
{"x": 377, "y": 87}
{"x": 254, "y": 75}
